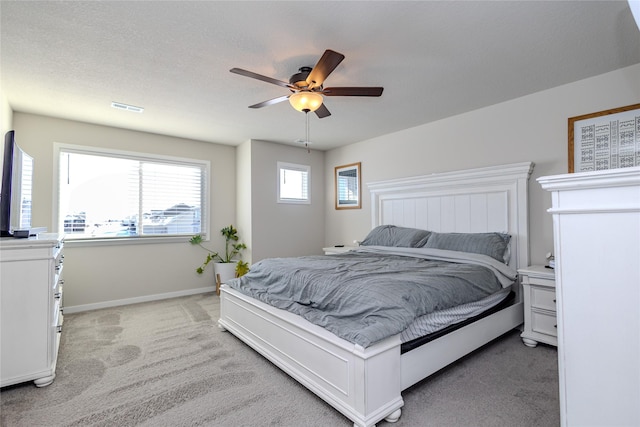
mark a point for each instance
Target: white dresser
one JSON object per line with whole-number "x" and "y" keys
{"x": 596, "y": 228}
{"x": 539, "y": 290}
{"x": 31, "y": 308}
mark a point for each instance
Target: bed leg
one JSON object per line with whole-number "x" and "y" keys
{"x": 394, "y": 416}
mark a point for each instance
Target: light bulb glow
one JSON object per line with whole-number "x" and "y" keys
{"x": 306, "y": 101}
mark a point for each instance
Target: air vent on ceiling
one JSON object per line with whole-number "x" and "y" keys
{"x": 121, "y": 106}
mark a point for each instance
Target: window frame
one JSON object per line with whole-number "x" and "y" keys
{"x": 60, "y": 148}
{"x": 356, "y": 201}
{"x": 293, "y": 167}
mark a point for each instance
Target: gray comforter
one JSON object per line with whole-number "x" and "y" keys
{"x": 369, "y": 294}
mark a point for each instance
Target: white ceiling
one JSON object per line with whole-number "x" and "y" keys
{"x": 434, "y": 60}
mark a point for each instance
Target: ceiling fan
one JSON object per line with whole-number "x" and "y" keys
{"x": 306, "y": 86}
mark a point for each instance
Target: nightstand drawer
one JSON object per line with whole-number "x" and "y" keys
{"x": 542, "y": 281}
{"x": 543, "y": 298}
{"x": 544, "y": 323}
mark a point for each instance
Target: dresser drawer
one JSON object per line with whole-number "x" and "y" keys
{"x": 57, "y": 315}
{"x": 544, "y": 323}
{"x": 544, "y": 298}
{"x": 57, "y": 269}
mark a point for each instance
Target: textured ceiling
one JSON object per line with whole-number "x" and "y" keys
{"x": 434, "y": 59}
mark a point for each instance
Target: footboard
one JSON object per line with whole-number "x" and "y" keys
{"x": 427, "y": 359}
{"x": 362, "y": 384}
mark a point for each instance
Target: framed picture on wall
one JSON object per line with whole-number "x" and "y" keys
{"x": 348, "y": 191}
{"x": 607, "y": 139}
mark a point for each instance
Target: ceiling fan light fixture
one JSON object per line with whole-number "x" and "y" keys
{"x": 305, "y": 101}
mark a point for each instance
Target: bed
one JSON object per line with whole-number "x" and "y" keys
{"x": 365, "y": 383}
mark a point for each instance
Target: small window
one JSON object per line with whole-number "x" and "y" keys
{"x": 293, "y": 183}
{"x": 114, "y": 194}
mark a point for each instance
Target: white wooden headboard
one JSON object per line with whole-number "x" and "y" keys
{"x": 468, "y": 201}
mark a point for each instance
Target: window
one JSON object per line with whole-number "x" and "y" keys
{"x": 109, "y": 194}
{"x": 25, "y": 189}
{"x": 348, "y": 194}
{"x": 293, "y": 183}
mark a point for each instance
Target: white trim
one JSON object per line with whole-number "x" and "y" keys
{"x": 600, "y": 179}
{"x": 84, "y": 149}
{"x": 133, "y": 240}
{"x": 506, "y": 181}
{"x": 294, "y": 167}
{"x": 456, "y": 178}
{"x": 136, "y": 300}
{"x": 612, "y": 209}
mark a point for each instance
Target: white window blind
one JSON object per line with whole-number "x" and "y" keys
{"x": 348, "y": 187}
{"x": 116, "y": 194}
{"x": 293, "y": 183}
{"x": 26, "y": 189}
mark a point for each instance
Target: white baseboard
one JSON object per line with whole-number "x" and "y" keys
{"x": 136, "y": 300}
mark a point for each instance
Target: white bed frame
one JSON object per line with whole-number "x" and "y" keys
{"x": 365, "y": 384}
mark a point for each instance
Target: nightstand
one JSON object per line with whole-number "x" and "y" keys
{"x": 332, "y": 250}
{"x": 539, "y": 290}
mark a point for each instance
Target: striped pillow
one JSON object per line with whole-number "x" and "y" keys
{"x": 495, "y": 245}
{"x": 391, "y": 235}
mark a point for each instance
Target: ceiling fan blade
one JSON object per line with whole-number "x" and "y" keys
{"x": 352, "y": 91}
{"x": 261, "y": 77}
{"x": 327, "y": 63}
{"x": 322, "y": 112}
{"x": 270, "y": 102}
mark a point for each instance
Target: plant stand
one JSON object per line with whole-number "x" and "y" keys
{"x": 226, "y": 270}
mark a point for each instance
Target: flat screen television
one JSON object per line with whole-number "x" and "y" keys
{"x": 17, "y": 183}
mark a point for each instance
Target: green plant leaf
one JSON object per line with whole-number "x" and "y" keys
{"x": 232, "y": 250}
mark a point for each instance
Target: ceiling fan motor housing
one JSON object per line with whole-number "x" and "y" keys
{"x": 299, "y": 79}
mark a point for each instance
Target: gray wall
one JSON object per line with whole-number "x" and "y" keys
{"x": 99, "y": 273}
{"x": 243, "y": 198}
{"x": 243, "y": 182}
{"x": 6, "y": 117}
{"x": 280, "y": 229}
{"x": 530, "y": 128}
{"x": 243, "y": 192}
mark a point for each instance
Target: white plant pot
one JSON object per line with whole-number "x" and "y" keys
{"x": 226, "y": 270}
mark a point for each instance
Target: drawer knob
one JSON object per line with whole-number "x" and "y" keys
{"x": 57, "y": 295}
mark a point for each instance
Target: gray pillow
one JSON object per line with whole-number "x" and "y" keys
{"x": 493, "y": 244}
{"x": 391, "y": 235}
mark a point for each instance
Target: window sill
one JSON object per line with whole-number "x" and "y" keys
{"x": 87, "y": 242}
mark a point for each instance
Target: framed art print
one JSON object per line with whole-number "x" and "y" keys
{"x": 607, "y": 139}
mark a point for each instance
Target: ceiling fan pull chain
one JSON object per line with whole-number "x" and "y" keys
{"x": 306, "y": 140}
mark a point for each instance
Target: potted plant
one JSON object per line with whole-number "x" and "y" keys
{"x": 242, "y": 268}
{"x": 224, "y": 264}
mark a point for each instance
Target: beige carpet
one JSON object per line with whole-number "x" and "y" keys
{"x": 166, "y": 363}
